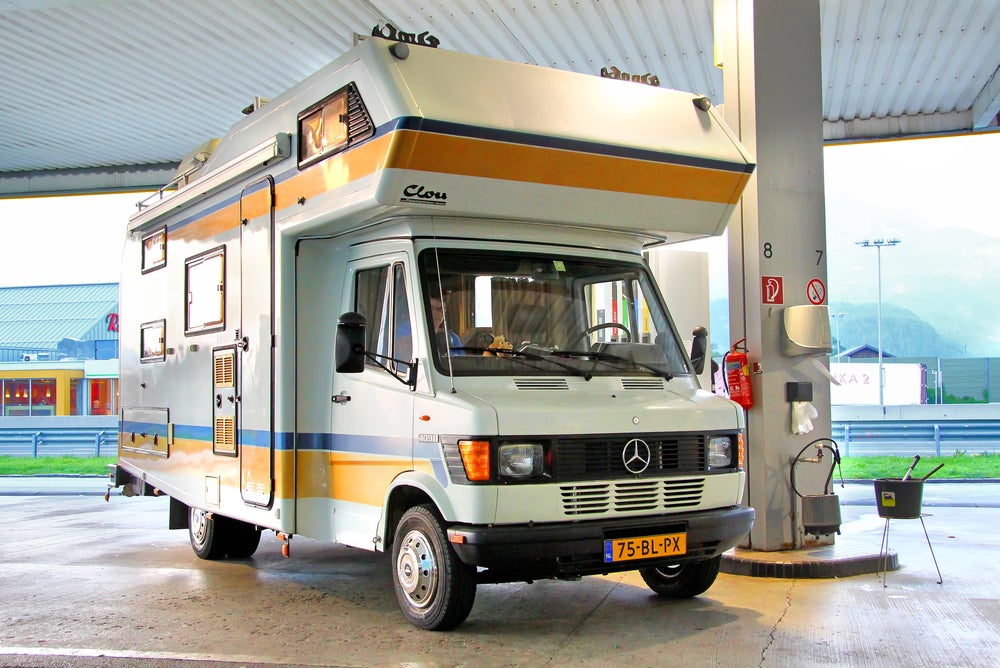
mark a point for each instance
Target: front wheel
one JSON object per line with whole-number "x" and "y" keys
{"x": 434, "y": 589}
{"x": 684, "y": 580}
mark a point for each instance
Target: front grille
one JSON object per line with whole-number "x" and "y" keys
{"x": 580, "y": 458}
{"x": 640, "y": 496}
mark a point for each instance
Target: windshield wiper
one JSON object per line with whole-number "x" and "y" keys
{"x": 600, "y": 356}
{"x": 524, "y": 357}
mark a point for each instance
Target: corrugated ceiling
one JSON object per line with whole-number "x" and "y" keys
{"x": 108, "y": 86}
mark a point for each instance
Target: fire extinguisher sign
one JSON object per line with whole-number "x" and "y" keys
{"x": 772, "y": 290}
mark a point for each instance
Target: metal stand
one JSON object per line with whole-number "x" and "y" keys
{"x": 884, "y": 549}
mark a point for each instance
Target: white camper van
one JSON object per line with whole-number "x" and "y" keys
{"x": 403, "y": 307}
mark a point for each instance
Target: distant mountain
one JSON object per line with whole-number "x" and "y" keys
{"x": 904, "y": 333}
{"x": 943, "y": 276}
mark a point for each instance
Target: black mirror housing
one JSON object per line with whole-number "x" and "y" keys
{"x": 350, "y": 344}
{"x": 699, "y": 346}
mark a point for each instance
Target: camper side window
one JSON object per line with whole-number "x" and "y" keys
{"x": 380, "y": 296}
{"x": 154, "y": 250}
{"x": 152, "y": 340}
{"x": 205, "y": 292}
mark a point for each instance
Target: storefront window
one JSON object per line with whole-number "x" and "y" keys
{"x": 17, "y": 395}
{"x": 24, "y": 396}
{"x": 43, "y": 396}
{"x": 76, "y": 397}
{"x": 103, "y": 396}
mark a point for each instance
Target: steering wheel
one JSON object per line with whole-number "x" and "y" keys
{"x": 604, "y": 325}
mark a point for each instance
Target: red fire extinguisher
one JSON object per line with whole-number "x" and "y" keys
{"x": 737, "y": 371}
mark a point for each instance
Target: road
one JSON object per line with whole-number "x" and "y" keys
{"x": 89, "y": 583}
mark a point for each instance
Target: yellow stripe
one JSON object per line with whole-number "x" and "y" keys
{"x": 448, "y": 154}
{"x": 343, "y": 476}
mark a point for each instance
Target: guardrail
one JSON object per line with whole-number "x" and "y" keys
{"x": 73, "y": 441}
{"x": 854, "y": 437}
{"x": 912, "y": 437}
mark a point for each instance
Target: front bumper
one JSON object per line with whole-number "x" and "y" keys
{"x": 535, "y": 551}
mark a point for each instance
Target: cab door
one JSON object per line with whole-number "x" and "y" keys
{"x": 371, "y": 413}
{"x": 255, "y": 344}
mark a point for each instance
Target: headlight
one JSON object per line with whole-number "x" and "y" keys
{"x": 521, "y": 460}
{"x": 720, "y": 452}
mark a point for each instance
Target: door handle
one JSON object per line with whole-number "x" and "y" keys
{"x": 340, "y": 398}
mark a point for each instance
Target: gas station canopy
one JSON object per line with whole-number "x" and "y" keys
{"x": 111, "y": 95}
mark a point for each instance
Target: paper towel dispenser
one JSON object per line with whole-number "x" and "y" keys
{"x": 806, "y": 331}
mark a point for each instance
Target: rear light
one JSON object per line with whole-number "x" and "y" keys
{"x": 475, "y": 459}
{"x": 739, "y": 448}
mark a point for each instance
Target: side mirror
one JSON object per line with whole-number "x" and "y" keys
{"x": 699, "y": 345}
{"x": 350, "y": 344}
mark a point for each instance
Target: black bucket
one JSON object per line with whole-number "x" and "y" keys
{"x": 899, "y": 499}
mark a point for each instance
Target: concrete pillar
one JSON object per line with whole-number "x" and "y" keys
{"x": 770, "y": 53}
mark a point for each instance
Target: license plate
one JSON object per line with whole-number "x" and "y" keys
{"x": 645, "y": 547}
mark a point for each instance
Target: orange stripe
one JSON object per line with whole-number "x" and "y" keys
{"x": 463, "y": 156}
{"x": 447, "y": 154}
{"x": 334, "y": 172}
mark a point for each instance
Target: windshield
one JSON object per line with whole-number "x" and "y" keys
{"x": 506, "y": 313}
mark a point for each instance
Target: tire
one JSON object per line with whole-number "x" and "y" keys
{"x": 214, "y": 537}
{"x": 683, "y": 580}
{"x": 243, "y": 539}
{"x": 434, "y": 589}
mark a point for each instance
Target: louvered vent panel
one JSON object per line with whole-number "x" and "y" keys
{"x": 541, "y": 384}
{"x": 225, "y": 433}
{"x": 224, "y": 369}
{"x": 585, "y": 499}
{"x": 683, "y": 493}
{"x": 642, "y": 383}
{"x": 631, "y": 496}
{"x": 359, "y": 124}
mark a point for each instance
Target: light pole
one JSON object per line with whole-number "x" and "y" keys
{"x": 836, "y": 322}
{"x": 877, "y": 245}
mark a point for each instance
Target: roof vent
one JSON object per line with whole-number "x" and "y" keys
{"x": 257, "y": 103}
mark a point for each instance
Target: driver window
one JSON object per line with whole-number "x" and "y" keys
{"x": 380, "y": 296}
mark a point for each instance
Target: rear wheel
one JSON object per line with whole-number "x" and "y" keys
{"x": 682, "y": 580}
{"x": 215, "y": 537}
{"x": 434, "y": 589}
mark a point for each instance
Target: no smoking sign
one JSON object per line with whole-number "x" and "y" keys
{"x": 816, "y": 291}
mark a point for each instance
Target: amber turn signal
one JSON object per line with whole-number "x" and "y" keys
{"x": 476, "y": 459}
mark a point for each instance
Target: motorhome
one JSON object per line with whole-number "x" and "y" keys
{"x": 404, "y": 307}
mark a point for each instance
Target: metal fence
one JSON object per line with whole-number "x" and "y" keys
{"x": 73, "y": 441}
{"x": 916, "y": 437}
{"x": 855, "y": 437}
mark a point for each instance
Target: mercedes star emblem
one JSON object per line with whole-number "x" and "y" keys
{"x": 636, "y": 456}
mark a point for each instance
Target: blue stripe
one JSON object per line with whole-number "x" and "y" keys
{"x": 150, "y": 428}
{"x": 318, "y": 442}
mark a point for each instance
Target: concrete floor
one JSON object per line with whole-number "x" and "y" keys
{"x": 89, "y": 583}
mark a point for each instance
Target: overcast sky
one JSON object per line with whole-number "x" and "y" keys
{"x": 899, "y": 188}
